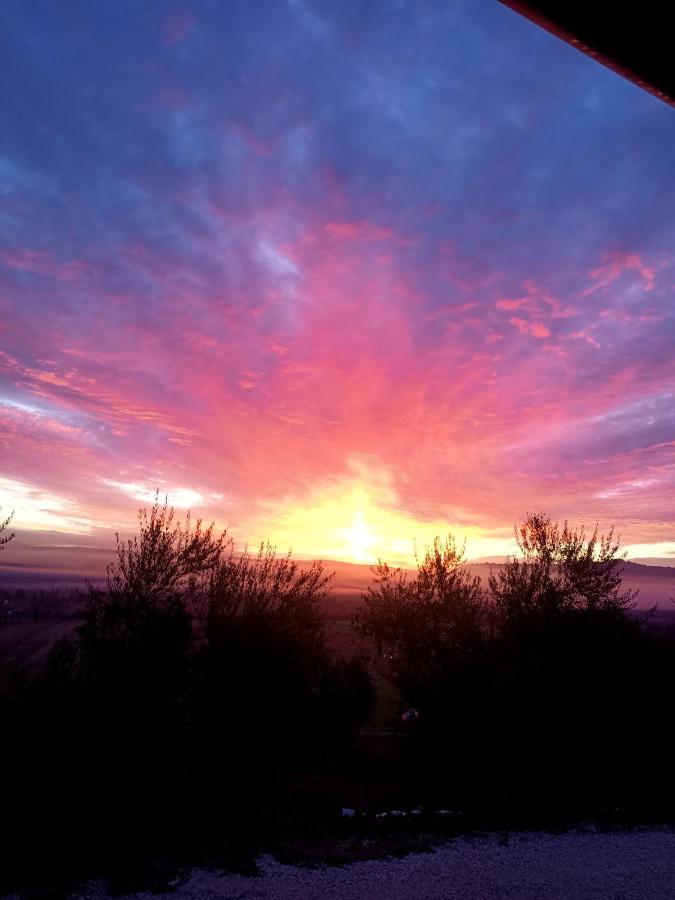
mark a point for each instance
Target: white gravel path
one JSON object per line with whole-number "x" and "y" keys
{"x": 622, "y": 866}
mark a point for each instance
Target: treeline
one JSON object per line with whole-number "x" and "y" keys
{"x": 200, "y": 690}
{"x": 537, "y": 694}
{"x": 18, "y": 604}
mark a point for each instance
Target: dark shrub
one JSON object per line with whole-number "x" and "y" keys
{"x": 541, "y": 699}
{"x": 268, "y": 696}
{"x": 197, "y": 680}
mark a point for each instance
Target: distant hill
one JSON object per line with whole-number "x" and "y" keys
{"x": 655, "y": 583}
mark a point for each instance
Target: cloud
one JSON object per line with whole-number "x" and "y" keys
{"x": 362, "y": 231}
{"x": 281, "y": 255}
{"x": 535, "y": 329}
{"x": 40, "y": 509}
{"x": 184, "y": 498}
{"x": 615, "y": 264}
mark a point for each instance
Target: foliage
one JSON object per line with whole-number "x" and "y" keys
{"x": 242, "y": 587}
{"x": 549, "y": 668}
{"x": 571, "y": 679}
{"x": 559, "y": 570}
{"x": 196, "y": 683}
{"x": 165, "y": 558}
{"x": 3, "y": 526}
{"x": 437, "y": 614}
{"x": 262, "y": 645}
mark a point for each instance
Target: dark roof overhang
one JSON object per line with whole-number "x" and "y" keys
{"x": 632, "y": 39}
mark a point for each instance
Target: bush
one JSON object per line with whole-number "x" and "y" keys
{"x": 537, "y": 698}
{"x": 263, "y": 670}
{"x": 166, "y": 559}
{"x": 559, "y": 570}
{"x": 571, "y": 667}
{"x": 197, "y": 680}
{"x": 431, "y": 631}
{"x": 425, "y": 623}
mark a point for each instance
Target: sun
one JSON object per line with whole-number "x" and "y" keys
{"x": 360, "y": 538}
{"x": 360, "y": 520}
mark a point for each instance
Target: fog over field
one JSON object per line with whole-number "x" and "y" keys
{"x": 44, "y": 559}
{"x": 655, "y": 583}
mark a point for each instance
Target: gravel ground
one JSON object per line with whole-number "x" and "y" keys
{"x": 636, "y": 864}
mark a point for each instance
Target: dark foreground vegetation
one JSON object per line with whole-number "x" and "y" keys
{"x": 200, "y": 714}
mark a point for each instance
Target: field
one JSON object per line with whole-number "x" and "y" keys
{"x": 24, "y": 646}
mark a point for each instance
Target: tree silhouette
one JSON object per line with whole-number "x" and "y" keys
{"x": 430, "y": 627}
{"x": 6, "y": 538}
{"x": 165, "y": 558}
{"x": 262, "y": 644}
{"x": 440, "y": 610}
{"x": 573, "y": 676}
{"x": 270, "y": 587}
{"x": 195, "y": 660}
{"x": 560, "y": 570}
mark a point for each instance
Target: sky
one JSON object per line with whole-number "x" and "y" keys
{"x": 340, "y": 275}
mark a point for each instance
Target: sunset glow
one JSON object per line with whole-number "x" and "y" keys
{"x": 356, "y": 276}
{"x": 350, "y": 524}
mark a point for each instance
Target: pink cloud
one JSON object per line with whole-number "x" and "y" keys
{"x": 536, "y": 329}
{"x": 41, "y": 263}
{"x": 361, "y": 231}
{"x": 585, "y": 336}
{"x": 538, "y": 302}
{"x": 615, "y": 264}
{"x": 510, "y": 305}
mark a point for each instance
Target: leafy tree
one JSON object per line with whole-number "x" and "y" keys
{"x": 166, "y": 558}
{"x": 560, "y": 570}
{"x": 134, "y": 647}
{"x": 3, "y": 526}
{"x": 266, "y": 587}
{"x": 263, "y": 666}
{"x": 439, "y": 611}
{"x": 146, "y": 608}
{"x": 432, "y": 627}
{"x": 112, "y": 702}
{"x": 571, "y": 679}
{"x": 160, "y": 713}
